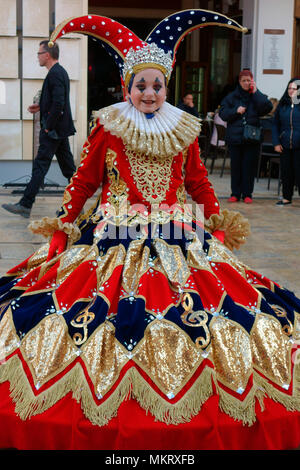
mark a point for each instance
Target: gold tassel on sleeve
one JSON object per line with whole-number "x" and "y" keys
{"x": 235, "y": 226}
{"x": 47, "y": 226}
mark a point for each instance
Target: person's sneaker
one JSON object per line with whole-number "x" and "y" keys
{"x": 248, "y": 200}
{"x": 283, "y": 203}
{"x": 233, "y": 199}
{"x": 17, "y": 209}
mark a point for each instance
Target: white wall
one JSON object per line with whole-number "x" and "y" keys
{"x": 259, "y": 15}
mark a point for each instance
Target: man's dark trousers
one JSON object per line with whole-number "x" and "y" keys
{"x": 48, "y": 147}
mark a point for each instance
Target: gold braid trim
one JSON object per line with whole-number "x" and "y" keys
{"x": 235, "y": 226}
{"x": 47, "y": 226}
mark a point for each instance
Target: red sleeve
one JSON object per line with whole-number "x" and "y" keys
{"x": 88, "y": 176}
{"x": 197, "y": 184}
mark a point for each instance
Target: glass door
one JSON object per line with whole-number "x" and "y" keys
{"x": 194, "y": 81}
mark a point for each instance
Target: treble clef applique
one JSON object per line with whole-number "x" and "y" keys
{"x": 81, "y": 320}
{"x": 281, "y": 313}
{"x": 198, "y": 318}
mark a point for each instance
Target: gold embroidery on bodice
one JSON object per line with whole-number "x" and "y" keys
{"x": 151, "y": 175}
{"x": 117, "y": 186}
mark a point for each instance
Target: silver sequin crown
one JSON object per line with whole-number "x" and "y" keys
{"x": 150, "y": 53}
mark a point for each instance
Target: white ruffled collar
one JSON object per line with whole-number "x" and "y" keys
{"x": 169, "y": 132}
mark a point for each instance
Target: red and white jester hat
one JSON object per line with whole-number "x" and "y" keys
{"x": 158, "y": 50}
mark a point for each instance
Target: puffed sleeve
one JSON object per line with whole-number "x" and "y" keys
{"x": 82, "y": 186}
{"x": 197, "y": 184}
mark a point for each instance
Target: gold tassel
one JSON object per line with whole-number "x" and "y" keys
{"x": 180, "y": 412}
{"x": 101, "y": 414}
{"x": 240, "y": 410}
{"x": 27, "y": 404}
{"x": 290, "y": 402}
{"x": 133, "y": 385}
{"x": 235, "y": 226}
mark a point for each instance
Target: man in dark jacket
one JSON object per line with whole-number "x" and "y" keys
{"x": 56, "y": 127}
{"x": 245, "y": 105}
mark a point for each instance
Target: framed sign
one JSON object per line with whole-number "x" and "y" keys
{"x": 273, "y": 51}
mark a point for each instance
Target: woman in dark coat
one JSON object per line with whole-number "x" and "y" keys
{"x": 286, "y": 140}
{"x": 245, "y": 104}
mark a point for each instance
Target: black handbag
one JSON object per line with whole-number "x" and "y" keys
{"x": 251, "y": 134}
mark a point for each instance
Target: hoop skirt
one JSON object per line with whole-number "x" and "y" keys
{"x": 144, "y": 339}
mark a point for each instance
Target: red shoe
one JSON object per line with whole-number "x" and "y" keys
{"x": 248, "y": 200}
{"x": 233, "y": 199}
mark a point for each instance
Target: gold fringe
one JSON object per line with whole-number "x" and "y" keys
{"x": 235, "y": 226}
{"x": 241, "y": 410}
{"x": 177, "y": 413}
{"x": 101, "y": 414}
{"x": 27, "y": 404}
{"x": 133, "y": 385}
{"x": 290, "y": 402}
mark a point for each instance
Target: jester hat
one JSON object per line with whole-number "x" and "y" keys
{"x": 158, "y": 51}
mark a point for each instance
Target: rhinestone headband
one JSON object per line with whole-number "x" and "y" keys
{"x": 149, "y": 54}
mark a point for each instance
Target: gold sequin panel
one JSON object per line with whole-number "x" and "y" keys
{"x": 48, "y": 349}
{"x": 271, "y": 350}
{"x": 231, "y": 353}
{"x": 168, "y": 356}
{"x": 104, "y": 358}
{"x": 9, "y": 341}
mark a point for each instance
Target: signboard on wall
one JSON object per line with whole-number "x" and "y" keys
{"x": 273, "y": 51}
{"x": 247, "y": 50}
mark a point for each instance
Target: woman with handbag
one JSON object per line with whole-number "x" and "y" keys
{"x": 241, "y": 109}
{"x": 286, "y": 140}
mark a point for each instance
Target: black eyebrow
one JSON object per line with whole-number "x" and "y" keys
{"x": 157, "y": 80}
{"x": 142, "y": 80}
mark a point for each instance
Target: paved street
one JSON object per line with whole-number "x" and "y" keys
{"x": 272, "y": 249}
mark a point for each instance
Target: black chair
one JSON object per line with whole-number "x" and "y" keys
{"x": 266, "y": 152}
{"x": 204, "y": 139}
{"x": 274, "y": 161}
{"x": 269, "y": 157}
{"x": 219, "y": 150}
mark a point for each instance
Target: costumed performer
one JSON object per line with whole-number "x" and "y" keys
{"x": 118, "y": 305}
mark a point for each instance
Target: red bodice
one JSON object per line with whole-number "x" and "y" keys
{"x": 139, "y": 178}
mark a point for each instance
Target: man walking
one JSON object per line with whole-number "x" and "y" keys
{"x": 56, "y": 127}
